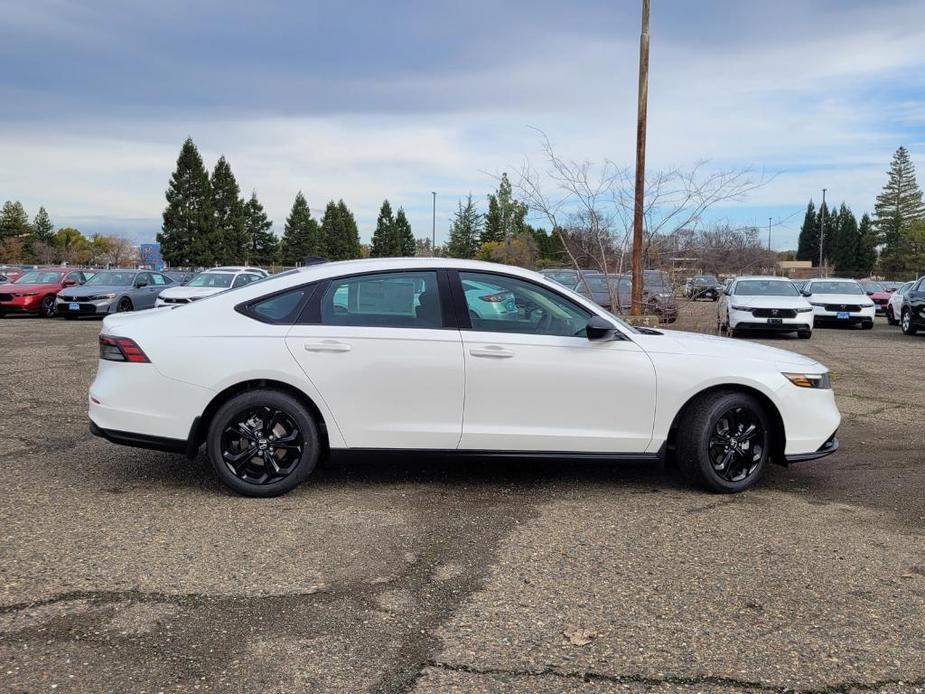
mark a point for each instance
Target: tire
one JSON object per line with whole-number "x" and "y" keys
{"x": 703, "y": 455}
{"x": 125, "y": 304}
{"x": 867, "y": 326}
{"x": 48, "y": 309}
{"x": 890, "y": 318}
{"x": 905, "y": 323}
{"x": 804, "y": 334}
{"x": 256, "y": 410}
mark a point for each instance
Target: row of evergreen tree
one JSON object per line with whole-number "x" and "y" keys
{"x": 21, "y": 240}
{"x": 891, "y": 242}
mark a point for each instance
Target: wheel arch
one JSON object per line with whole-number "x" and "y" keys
{"x": 200, "y": 427}
{"x": 779, "y": 434}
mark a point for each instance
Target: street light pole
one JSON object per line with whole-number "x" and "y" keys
{"x": 433, "y": 231}
{"x": 824, "y": 214}
{"x": 641, "y": 115}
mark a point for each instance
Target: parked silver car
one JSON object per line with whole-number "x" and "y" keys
{"x": 111, "y": 291}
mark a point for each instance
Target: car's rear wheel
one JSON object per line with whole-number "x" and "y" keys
{"x": 125, "y": 304}
{"x": 47, "y": 310}
{"x": 723, "y": 442}
{"x": 804, "y": 334}
{"x": 905, "y": 323}
{"x": 263, "y": 443}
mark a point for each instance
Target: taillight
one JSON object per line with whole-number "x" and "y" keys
{"x": 121, "y": 349}
{"x": 495, "y": 298}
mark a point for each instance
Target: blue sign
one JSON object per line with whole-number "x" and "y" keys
{"x": 151, "y": 255}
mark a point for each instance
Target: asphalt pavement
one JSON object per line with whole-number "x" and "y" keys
{"x": 135, "y": 571}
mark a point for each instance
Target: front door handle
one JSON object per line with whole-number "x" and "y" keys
{"x": 327, "y": 346}
{"x": 491, "y": 352}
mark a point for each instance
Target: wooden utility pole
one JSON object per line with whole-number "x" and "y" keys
{"x": 640, "y": 160}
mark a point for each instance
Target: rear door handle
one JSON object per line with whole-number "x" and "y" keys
{"x": 491, "y": 352}
{"x": 327, "y": 346}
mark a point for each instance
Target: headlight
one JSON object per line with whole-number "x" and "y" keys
{"x": 816, "y": 303}
{"x": 867, "y": 305}
{"x": 804, "y": 310}
{"x": 739, "y": 308}
{"x": 100, "y": 297}
{"x": 26, "y": 294}
{"x": 809, "y": 380}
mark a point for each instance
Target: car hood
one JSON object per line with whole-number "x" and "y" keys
{"x": 84, "y": 290}
{"x": 840, "y": 299}
{"x": 724, "y": 348}
{"x": 190, "y": 292}
{"x": 769, "y": 301}
{"x": 20, "y": 288}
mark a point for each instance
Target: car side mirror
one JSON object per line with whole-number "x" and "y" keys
{"x": 140, "y": 283}
{"x": 806, "y": 292}
{"x": 599, "y": 329}
{"x": 69, "y": 283}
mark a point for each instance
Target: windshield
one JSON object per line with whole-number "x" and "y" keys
{"x": 566, "y": 277}
{"x": 835, "y": 288}
{"x": 40, "y": 277}
{"x": 872, "y": 286}
{"x": 211, "y": 279}
{"x": 706, "y": 279}
{"x": 111, "y": 279}
{"x": 765, "y": 288}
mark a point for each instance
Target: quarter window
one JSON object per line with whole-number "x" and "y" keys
{"x": 497, "y": 303}
{"x": 385, "y": 300}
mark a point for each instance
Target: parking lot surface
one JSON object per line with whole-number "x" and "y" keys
{"x": 128, "y": 570}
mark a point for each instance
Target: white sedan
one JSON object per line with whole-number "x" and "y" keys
{"x": 387, "y": 355}
{"x": 764, "y": 303}
{"x": 894, "y": 307}
{"x": 208, "y": 283}
{"x": 839, "y": 301}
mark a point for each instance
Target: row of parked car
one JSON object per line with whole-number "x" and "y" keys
{"x": 72, "y": 293}
{"x": 774, "y": 303}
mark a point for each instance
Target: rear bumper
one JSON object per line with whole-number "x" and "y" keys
{"x": 828, "y": 448}
{"x": 187, "y": 447}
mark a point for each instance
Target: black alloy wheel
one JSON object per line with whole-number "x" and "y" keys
{"x": 263, "y": 443}
{"x": 125, "y": 304}
{"x": 48, "y": 307}
{"x": 737, "y": 444}
{"x": 906, "y": 323}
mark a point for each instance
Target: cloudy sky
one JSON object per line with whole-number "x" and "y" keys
{"x": 368, "y": 100}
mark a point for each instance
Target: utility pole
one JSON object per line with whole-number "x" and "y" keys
{"x": 433, "y": 231}
{"x": 641, "y": 114}
{"x": 825, "y": 213}
{"x": 769, "y": 233}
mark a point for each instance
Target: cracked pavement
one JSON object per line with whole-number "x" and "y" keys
{"x": 134, "y": 571}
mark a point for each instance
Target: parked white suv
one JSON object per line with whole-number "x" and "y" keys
{"x": 208, "y": 283}
{"x": 387, "y": 355}
{"x": 764, "y": 303}
{"x": 840, "y": 301}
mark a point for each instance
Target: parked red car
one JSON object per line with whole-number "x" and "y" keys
{"x": 878, "y": 294}
{"x": 10, "y": 272}
{"x": 35, "y": 291}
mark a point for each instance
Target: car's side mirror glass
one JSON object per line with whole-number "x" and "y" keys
{"x": 806, "y": 292}
{"x": 599, "y": 329}
{"x": 141, "y": 283}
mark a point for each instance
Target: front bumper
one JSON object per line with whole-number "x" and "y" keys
{"x": 22, "y": 304}
{"x": 745, "y": 320}
{"x": 84, "y": 307}
{"x": 865, "y": 315}
{"x": 828, "y": 448}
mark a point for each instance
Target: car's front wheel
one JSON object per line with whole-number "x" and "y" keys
{"x": 48, "y": 309}
{"x": 905, "y": 323}
{"x": 263, "y": 443}
{"x": 804, "y": 334}
{"x": 723, "y": 442}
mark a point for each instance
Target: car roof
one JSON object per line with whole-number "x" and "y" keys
{"x": 763, "y": 277}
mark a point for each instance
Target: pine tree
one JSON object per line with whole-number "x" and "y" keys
{"x": 261, "y": 241}
{"x": 866, "y": 256}
{"x": 845, "y": 242}
{"x": 339, "y": 232}
{"x": 187, "y": 229}
{"x": 42, "y": 228}
{"x": 301, "y": 235}
{"x": 826, "y": 224}
{"x": 465, "y": 231}
{"x": 899, "y": 204}
{"x": 808, "y": 243}
{"x": 230, "y": 237}
{"x": 13, "y": 220}
{"x": 506, "y": 215}
{"x": 403, "y": 239}
{"x": 383, "y": 241}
